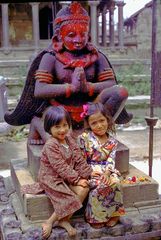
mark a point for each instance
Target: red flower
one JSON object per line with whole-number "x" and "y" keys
{"x": 133, "y": 179}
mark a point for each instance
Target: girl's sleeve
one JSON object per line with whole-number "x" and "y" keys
{"x": 59, "y": 165}
{"x": 111, "y": 158}
{"x": 81, "y": 165}
{"x": 112, "y": 155}
{"x": 81, "y": 144}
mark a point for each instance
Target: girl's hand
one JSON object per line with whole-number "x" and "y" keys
{"x": 83, "y": 183}
{"x": 95, "y": 174}
{"x": 113, "y": 179}
{"x": 108, "y": 172}
{"x": 105, "y": 178}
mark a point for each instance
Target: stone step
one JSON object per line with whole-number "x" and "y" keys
{"x": 13, "y": 68}
{"x": 34, "y": 154}
{"x": 15, "y": 81}
{"x": 12, "y": 102}
{"x": 13, "y": 62}
{"x": 139, "y": 194}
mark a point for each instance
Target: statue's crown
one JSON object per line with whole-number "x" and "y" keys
{"x": 73, "y": 12}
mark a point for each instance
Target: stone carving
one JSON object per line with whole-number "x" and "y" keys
{"x": 70, "y": 72}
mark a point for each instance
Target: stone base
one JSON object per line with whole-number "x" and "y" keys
{"x": 139, "y": 223}
{"x": 133, "y": 194}
{"x": 34, "y": 154}
{"x": 35, "y": 207}
{"x": 122, "y": 158}
{"x": 141, "y": 191}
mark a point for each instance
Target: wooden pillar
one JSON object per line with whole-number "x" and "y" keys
{"x": 94, "y": 21}
{"x": 104, "y": 26}
{"x": 120, "y": 24}
{"x": 5, "y": 26}
{"x": 111, "y": 26}
{"x": 98, "y": 29}
{"x": 35, "y": 23}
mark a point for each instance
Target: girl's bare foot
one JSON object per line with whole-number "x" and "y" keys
{"x": 97, "y": 225}
{"x": 112, "y": 221}
{"x": 46, "y": 229}
{"x": 68, "y": 227}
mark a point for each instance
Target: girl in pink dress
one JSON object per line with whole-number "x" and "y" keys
{"x": 63, "y": 173}
{"x": 105, "y": 204}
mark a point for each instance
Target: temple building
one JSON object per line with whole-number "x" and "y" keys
{"x": 29, "y": 26}
{"x": 138, "y": 30}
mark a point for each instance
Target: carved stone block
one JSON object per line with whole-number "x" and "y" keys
{"x": 139, "y": 191}
{"x": 34, "y": 154}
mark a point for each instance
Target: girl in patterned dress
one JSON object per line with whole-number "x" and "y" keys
{"x": 104, "y": 206}
{"x": 63, "y": 173}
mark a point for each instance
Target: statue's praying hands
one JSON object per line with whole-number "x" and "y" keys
{"x": 79, "y": 81}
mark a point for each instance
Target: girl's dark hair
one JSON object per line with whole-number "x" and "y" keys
{"x": 98, "y": 107}
{"x": 54, "y": 115}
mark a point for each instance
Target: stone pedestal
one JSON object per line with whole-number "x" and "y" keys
{"x": 24, "y": 172}
{"x": 31, "y": 204}
{"x": 134, "y": 195}
{"x": 34, "y": 154}
{"x": 138, "y": 192}
{"x": 122, "y": 158}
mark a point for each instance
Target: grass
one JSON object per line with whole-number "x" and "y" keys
{"x": 136, "y": 85}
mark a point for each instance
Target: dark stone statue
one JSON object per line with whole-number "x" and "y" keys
{"x": 70, "y": 72}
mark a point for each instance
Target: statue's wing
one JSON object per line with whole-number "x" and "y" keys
{"x": 28, "y": 106}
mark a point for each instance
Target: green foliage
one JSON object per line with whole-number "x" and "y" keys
{"x": 22, "y": 70}
{"x": 17, "y": 134}
{"x": 136, "y": 78}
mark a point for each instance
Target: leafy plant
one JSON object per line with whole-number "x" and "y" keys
{"x": 136, "y": 78}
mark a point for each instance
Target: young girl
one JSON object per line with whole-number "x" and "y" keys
{"x": 63, "y": 173}
{"x": 104, "y": 205}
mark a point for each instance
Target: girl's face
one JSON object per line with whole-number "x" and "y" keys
{"x": 60, "y": 130}
{"x": 98, "y": 124}
{"x": 74, "y": 36}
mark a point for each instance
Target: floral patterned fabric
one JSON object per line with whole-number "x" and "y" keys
{"x": 105, "y": 201}
{"x": 59, "y": 167}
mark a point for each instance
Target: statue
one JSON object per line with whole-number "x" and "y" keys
{"x": 70, "y": 72}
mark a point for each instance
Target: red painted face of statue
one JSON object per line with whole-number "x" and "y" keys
{"x": 74, "y": 36}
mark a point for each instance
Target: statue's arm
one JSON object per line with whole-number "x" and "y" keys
{"x": 44, "y": 86}
{"x": 47, "y": 90}
{"x": 105, "y": 77}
